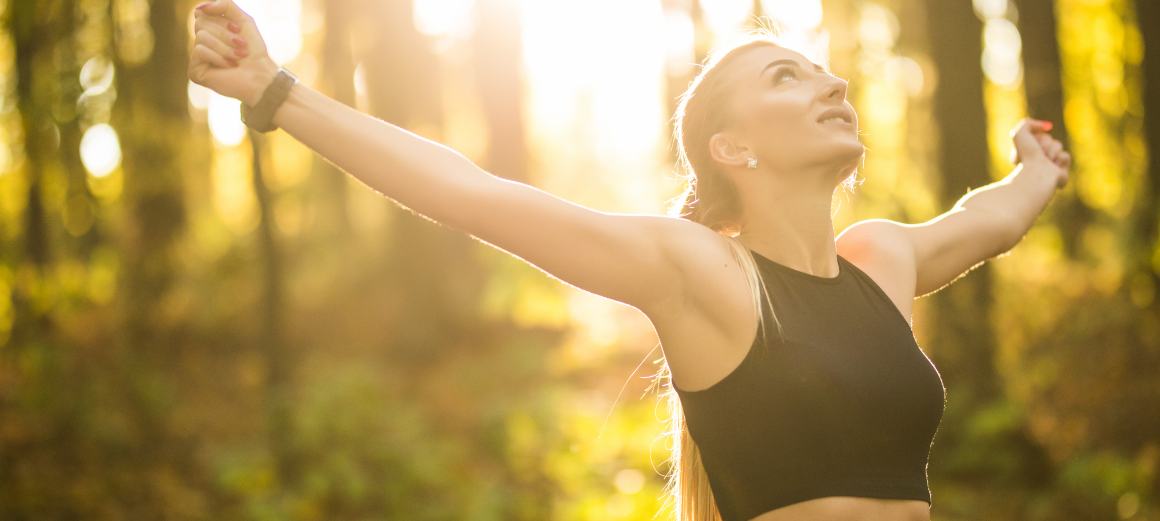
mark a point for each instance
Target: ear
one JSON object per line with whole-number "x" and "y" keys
{"x": 725, "y": 149}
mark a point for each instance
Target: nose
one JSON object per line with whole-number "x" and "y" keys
{"x": 835, "y": 89}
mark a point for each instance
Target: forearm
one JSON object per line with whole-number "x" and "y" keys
{"x": 422, "y": 175}
{"x": 1016, "y": 200}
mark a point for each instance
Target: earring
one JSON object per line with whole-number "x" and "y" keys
{"x": 752, "y": 163}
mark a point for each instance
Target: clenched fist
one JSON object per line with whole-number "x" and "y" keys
{"x": 1035, "y": 148}
{"x": 228, "y": 55}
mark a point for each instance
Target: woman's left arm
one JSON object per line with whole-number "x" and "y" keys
{"x": 1042, "y": 167}
{"x": 984, "y": 223}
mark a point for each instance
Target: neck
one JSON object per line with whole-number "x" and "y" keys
{"x": 795, "y": 228}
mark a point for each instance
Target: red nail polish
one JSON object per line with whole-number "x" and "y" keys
{"x": 1047, "y": 125}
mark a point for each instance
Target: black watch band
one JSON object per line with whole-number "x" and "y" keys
{"x": 261, "y": 116}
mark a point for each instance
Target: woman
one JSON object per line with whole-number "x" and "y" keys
{"x": 831, "y": 414}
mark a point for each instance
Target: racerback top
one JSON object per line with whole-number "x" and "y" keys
{"x": 845, "y": 404}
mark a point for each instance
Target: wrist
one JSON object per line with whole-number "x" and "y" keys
{"x": 263, "y": 75}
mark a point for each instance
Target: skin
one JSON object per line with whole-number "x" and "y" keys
{"x": 787, "y": 199}
{"x": 680, "y": 274}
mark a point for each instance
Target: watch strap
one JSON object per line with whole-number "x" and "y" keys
{"x": 260, "y": 117}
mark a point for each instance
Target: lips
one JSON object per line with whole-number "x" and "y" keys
{"x": 838, "y": 112}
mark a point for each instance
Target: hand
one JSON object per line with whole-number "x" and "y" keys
{"x": 1035, "y": 147}
{"x": 228, "y": 55}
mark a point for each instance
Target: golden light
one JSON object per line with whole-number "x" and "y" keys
{"x": 794, "y": 15}
{"x": 878, "y": 27}
{"x": 679, "y": 38}
{"x": 629, "y": 481}
{"x": 443, "y": 18}
{"x": 198, "y": 95}
{"x": 985, "y": 9}
{"x": 97, "y": 75}
{"x": 225, "y": 120}
{"x": 100, "y": 150}
{"x": 1001, "y": 52}
{"x": 595, "y": 105}
{"x": 725, "y": 17}
{"x": 280, "y": 22}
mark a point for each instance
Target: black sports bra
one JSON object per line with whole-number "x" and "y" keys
{"x": 845, "y": 404}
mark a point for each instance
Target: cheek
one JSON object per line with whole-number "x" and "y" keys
{"x": 781, "y": 119}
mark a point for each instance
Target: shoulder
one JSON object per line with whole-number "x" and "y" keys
{"x": 712, "y": 283}
{"x": 875, "y": 240}
{"x": 883, "y": 250}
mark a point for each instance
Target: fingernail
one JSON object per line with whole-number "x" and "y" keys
{"x": 202, "y": 5}
{"x": 1047, "y": 125}
{"x": 239, "y": 42}
{"x": 232, "y": 61}
{"x": 240, "y": 52}
{"x": 233, "y": 27}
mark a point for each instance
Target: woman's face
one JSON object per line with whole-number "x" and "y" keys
{"x": 790, "y": 113}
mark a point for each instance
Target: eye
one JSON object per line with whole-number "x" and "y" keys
{"x": 782, "y": 72}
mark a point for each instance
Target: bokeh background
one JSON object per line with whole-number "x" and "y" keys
{"x": 201, "y": 323}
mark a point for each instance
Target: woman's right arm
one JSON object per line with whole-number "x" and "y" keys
{"x": 624, "y": 257}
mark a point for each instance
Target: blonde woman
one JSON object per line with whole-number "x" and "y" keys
{"x": 797, "y": 386}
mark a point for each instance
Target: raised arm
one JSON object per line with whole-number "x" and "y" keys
{"x": 984, "y": 223}
{"x": 619, "y": 256}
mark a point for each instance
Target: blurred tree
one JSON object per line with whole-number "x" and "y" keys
{"x": 497, "y": 65}
{"x": 152, "y": 119}
{"x": 336, "y": 80}
{"x": 962, "y": 336}
{"x": 1148, "y": 198}
{"x": 1042, "y": 81}
{"x": 278, "y": 354}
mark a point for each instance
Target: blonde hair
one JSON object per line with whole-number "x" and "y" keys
{"x": 709, "y": 199}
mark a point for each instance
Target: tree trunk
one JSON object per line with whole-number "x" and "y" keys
{"x": 1043, "y": 81}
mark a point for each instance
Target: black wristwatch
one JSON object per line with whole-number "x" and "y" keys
{"x": 261, "y": 116}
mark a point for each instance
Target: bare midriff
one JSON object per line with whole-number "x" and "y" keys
{"x": 844, "y": 508}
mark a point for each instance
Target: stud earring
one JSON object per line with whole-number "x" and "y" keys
{"x": 752, "y": 163}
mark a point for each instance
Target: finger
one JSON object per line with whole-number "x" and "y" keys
{"x": 1031, "y": 126}
{"x": 203, "y": 53}
{"x": 224, "y": 8}
{"x": 217, "y": 29}
{"x": 235, "y": 42}
{"x": 207, "y": 39}
{"x": 1053, "y": 149}
{"x": 1026, "y": 145}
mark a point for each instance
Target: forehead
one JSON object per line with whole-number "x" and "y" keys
{"x": 751, "y": 62}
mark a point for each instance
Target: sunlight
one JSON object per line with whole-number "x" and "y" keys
{"x": 796, "y": 15}
{"x": 725, "y": 17}
{"x": 985, "y": 9}
{"x": 594, "y": 104}
{"x": 225, "y": 120}
{"x": 198, "y": 95}
{"x": 280, "y": 22}
{"x": 443, "y": 18}
{"x": 878, "y": 27}
{"x": 679, "y": 38}
{"x": 1001, "y": 52}
{"x": 100, "y": 150}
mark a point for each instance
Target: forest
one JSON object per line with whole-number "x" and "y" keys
{"x": 199, "y": 321}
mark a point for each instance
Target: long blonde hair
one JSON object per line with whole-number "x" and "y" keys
{"x": 709, "y": 199}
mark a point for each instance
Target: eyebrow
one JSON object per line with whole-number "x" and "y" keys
{"x": 817, "y": 67}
